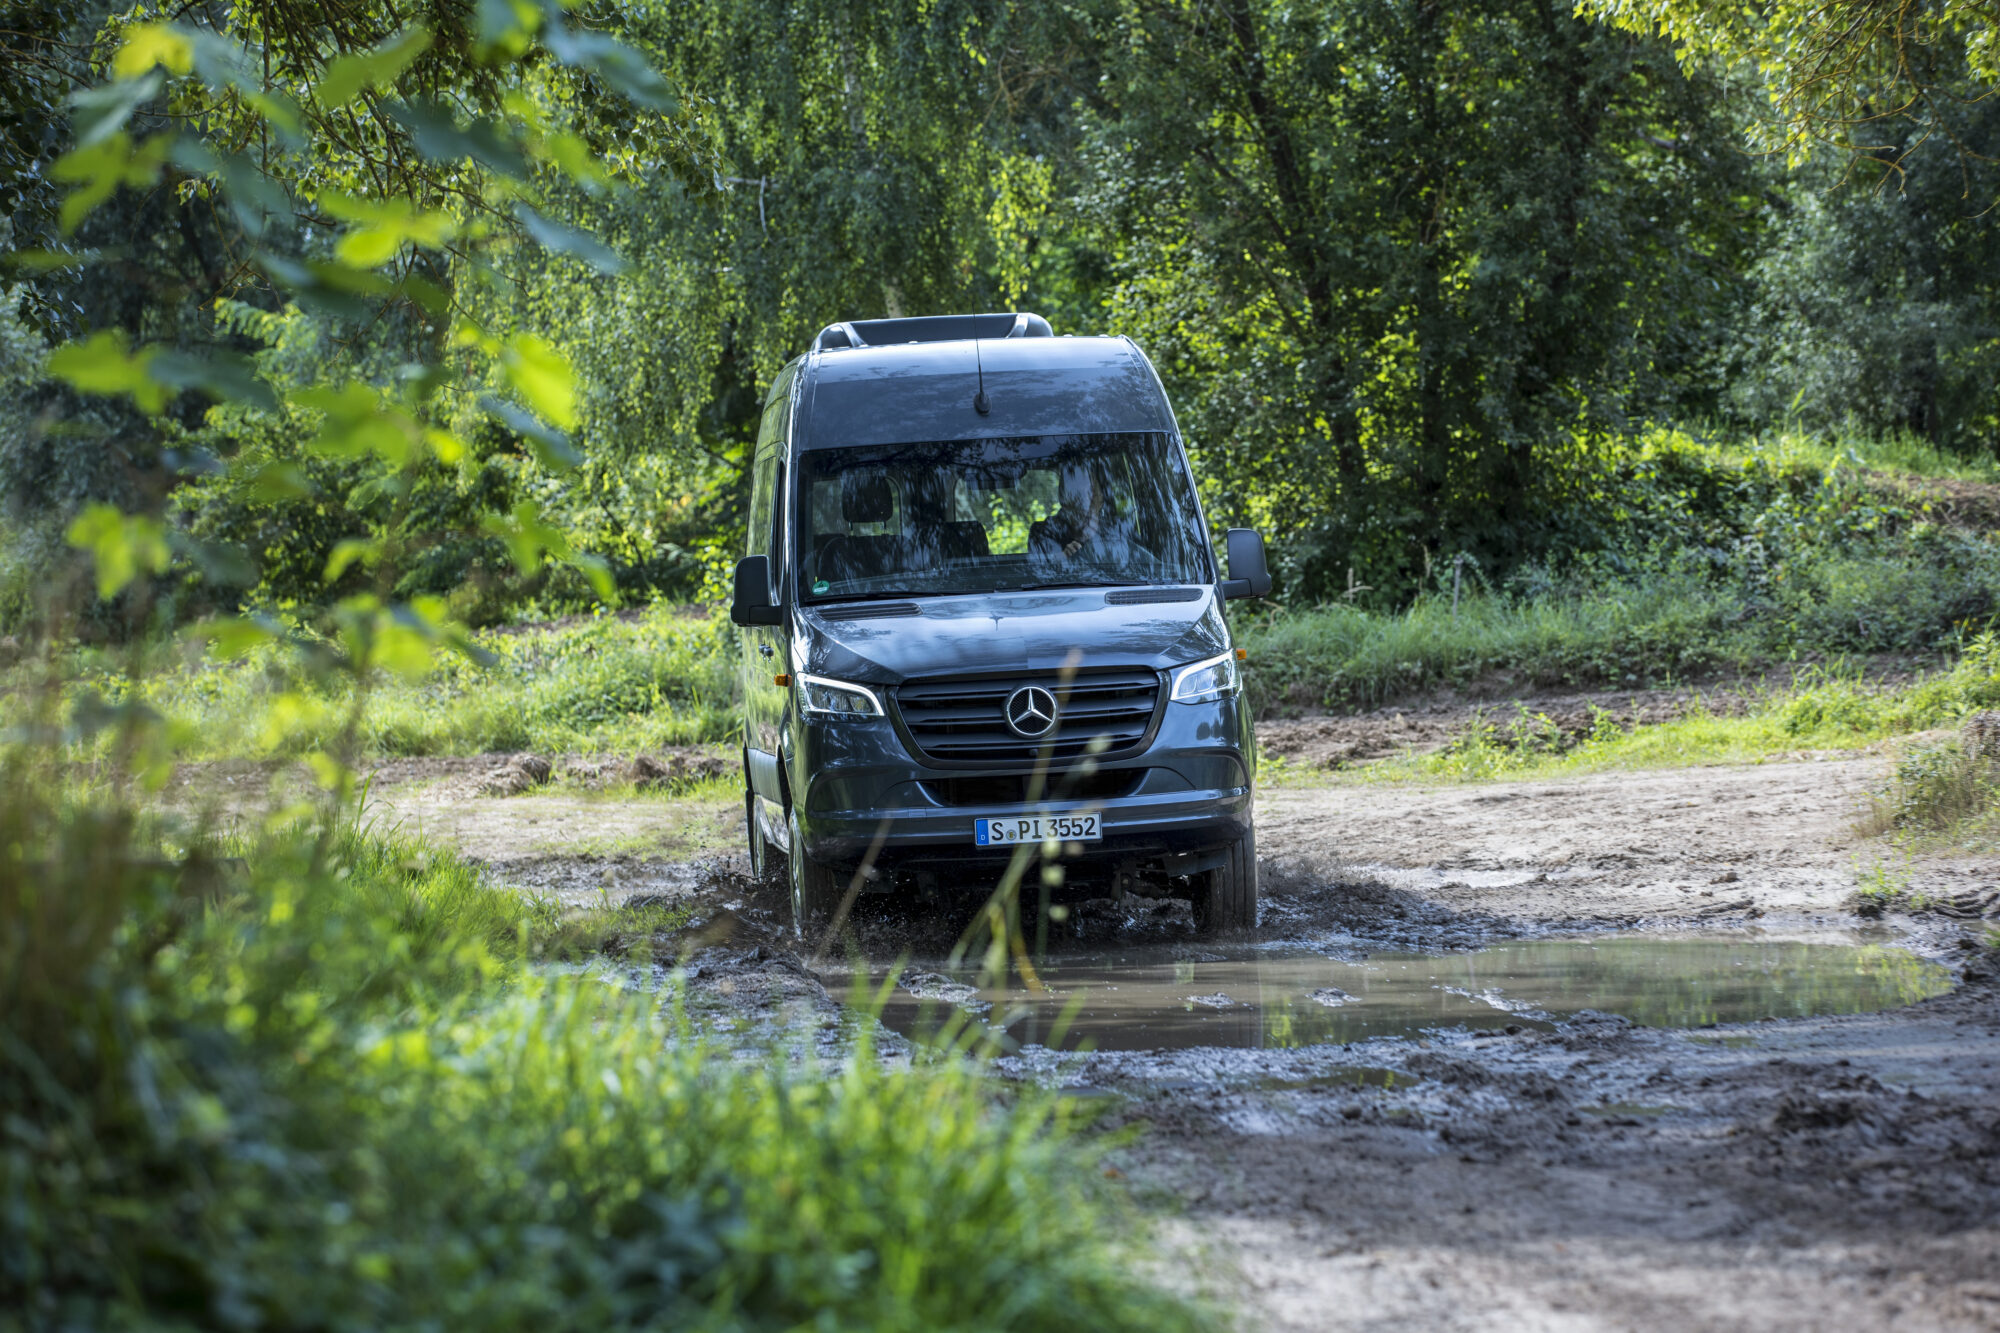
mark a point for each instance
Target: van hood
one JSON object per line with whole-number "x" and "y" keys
{"x": 1026, "y": 632}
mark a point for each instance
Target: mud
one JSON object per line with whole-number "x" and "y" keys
{"x": 1556, "y": 1167}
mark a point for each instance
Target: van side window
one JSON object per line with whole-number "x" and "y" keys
{"x": 765, "y": 519}
{"x": 761, "y": 486}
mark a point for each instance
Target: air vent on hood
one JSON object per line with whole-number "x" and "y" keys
{"x": 1140, "y": 596}
{"x": 868, "y": 610}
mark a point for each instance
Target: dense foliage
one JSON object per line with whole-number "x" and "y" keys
{"x": 1417, "y": 274}
{"x": 430, "y": 1135}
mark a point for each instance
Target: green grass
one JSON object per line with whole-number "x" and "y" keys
{"x": 605, "y": 685}
{"x": 1344, "y": 656}
{"x": 326, "y": 1088}
{"x": 1659, "y": 627}
{"x": 1942, "y": 796}
{"x": 1825, "y": 711}
{"x": 1909, "y": 455}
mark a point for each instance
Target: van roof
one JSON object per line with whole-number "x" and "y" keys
{"x": 915, "y": 391}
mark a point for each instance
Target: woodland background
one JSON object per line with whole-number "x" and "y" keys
{"x": 1423, "y": 280}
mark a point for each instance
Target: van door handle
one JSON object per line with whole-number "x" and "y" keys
{"x": 764, "y": 648}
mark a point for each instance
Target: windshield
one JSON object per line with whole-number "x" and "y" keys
{"x": 991, "y": 515}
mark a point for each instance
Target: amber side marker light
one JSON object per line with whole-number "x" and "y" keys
{"x": 1242, "y": 656}
{"x": 782, "y": 678}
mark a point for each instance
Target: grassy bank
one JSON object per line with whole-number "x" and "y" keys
{"x": 1823, "y": 711}
{"x": 323, "y": 1089}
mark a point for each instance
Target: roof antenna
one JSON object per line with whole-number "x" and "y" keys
{"x": 979, "y": 403}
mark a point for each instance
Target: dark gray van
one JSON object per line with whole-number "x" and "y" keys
{"x": 980, "y": 608}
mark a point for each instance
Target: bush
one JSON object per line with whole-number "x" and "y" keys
{"x": 1938, "y": 787}
{"x": 322, "y": 1090}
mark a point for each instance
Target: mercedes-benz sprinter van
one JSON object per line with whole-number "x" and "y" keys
{"x": 980, "y": 608}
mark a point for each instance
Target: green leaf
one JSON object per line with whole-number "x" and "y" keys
{"x": 378, "y": 67}
{"x": 356, "y": 421}
{"x": 100, "y": 112}
{"x": 439, "y": 137}
{"x": 540, "y": 374}
{"x": 554, "y": 236}
{"x": 573, "y": 157}
{"x": 616, "y": 63}
{"x": 278, "y": 481}
{"x": 100, "y": 167}
{"x": 230, "y": 637}
{"x": 507, "y": 26}
{"x": 329, "y": 773}
{"x": 598, "y": 572}
{"x": 347, "y": 552}
{"x": 222, "y": 563}
{"x": 222, "y": 375}
{"x": 527, "y": 537}
{"x": 149, "y": 44}
{"x": 550, "y": 447}
{"x": 381, "y": 227}
{"x": 105, "y": 364}
{"x": 328, "y": 288}
{"x": 49, "y": 261}
{"x": 121, "y": 545}
{"x": 251, "y": 194}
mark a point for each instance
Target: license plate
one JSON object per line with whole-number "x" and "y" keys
{"x": 1036, "y": 828}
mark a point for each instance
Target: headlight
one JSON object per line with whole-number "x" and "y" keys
{"x": 836, "y": 698}
{"x": 1210, "y": 678}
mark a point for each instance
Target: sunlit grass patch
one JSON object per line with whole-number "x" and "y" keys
{"x": 1905, "y": 453}
{"x": 603, "y": 685}
{"x": 1825, "y": 711}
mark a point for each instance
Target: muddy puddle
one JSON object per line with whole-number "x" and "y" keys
{"x": 1165, "y": 997}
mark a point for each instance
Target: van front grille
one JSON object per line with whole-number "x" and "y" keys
{"x": 963, "y": 719}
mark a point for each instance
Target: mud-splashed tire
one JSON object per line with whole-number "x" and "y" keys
{"x": 1227, "y": 903}
{"x": 816, "y": 891}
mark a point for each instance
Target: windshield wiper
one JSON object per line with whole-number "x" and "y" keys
{"x": 1084, "y": 583}
{"x": 865, "y": 597}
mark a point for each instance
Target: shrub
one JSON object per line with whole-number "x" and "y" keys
{"x": 1937, "y": 787}
{"x": 321, "y": 1089}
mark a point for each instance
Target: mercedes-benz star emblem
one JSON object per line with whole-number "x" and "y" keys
{"x": 1031, "y": 711}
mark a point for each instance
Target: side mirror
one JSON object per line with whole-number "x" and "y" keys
{"x": 751, "y": 604}
{"x": 1249, "y": 576}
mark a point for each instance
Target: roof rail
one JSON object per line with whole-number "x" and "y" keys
{"x": 930, "y": 329}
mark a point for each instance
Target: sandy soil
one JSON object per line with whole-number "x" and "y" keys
{"x": 1823, "y": 1173}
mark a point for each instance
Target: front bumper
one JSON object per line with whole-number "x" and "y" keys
{"x": 856, "y": 785}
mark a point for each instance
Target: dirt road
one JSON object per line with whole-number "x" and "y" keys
{"x": 1584, "y": 1173}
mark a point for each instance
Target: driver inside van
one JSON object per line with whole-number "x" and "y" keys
{"x": 1077, "y": 524}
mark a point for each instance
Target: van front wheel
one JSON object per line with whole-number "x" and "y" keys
{"x": 816, "y": 891}
{"x": 1227, "y": 902}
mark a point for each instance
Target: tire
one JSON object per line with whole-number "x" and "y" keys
{"x": 816, "y": 891}
{"x": 1227, "y": 902}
